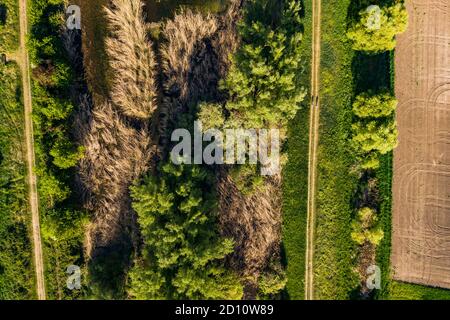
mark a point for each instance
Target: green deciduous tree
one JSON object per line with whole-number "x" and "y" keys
{"x": 375, "y": 135}
{"x": 211, "y": 116}
{"x": 183, "y": 253}
{"x": 369, "y": 105}
{"x": 65, "y": 154}
{"x": 264, "y": 79}
{"x": 380, "y": 37}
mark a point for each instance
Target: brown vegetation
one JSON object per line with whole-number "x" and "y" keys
{"x": 195, "y": 54}
{"x": 188, "y": 64}
{"x": 131, "y": 59}
{"x": 115, "y": 130}
{"x": 253, "y": 221}
{"x": 116, "y": 154}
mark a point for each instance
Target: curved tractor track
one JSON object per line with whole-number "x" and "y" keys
{"x": 23, "y": 61}
{"x": 421, "y": 193}
{"x": 313, "y": 143}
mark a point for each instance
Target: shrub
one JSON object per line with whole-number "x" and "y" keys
{"x": 271, "y": 283}
{"x": 365, "y": 227}
{"x": 375, "y": 135}
{"x": 374, "y": 129}
{"x": 211, "y": 116}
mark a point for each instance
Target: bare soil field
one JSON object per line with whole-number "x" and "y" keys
{"x": 421, "y": 192}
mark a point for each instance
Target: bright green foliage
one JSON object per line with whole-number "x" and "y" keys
{"x": 369, "y": 105}
{"x": 51, "y": 190}
{"x": 63, "y": 235}
{"x": 380, "y": 136}
{"x": 375, "y": 129}
{"x": 365, "y": 227}
{"x": 271, "y": 283}
{"x": 264, "y": 79}
{"x": 65, "y": 154}
{"x": 183, "y": 253}
{"x": 365, "y": 37}
{"x": 16, "y": 270}
{"x": 246, "y": 178}
{"x": 211, "y": 116}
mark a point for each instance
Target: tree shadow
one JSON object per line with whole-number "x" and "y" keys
{"x": 3, "y": 14}
{"x": 371, "y": 72}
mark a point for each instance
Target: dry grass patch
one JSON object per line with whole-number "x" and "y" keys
{"x": 131, "y": 59}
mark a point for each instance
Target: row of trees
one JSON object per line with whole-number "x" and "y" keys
{"x": 374, "y": 129}
{"x": 53, "y": 78}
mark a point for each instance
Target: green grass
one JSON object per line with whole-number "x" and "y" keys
{"x": 334, "y": 249}
{"x": 407, "y": 291}
{"x": 295, "y": 182}
{"x": 16, "y": 266}
{"x": 9, "y": 31}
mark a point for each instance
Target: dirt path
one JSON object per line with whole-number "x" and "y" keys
{"x": 24, "y": 63}
{"x": 313, "y": 143}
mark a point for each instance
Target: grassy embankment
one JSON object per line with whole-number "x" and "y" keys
{"x": 295, "y": 181}
{"x": 16, "y": 266}
{"x": 334, "y": 249}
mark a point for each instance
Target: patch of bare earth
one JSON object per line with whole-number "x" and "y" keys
{"x": 421, "y": 191}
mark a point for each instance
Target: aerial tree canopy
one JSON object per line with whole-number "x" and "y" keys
{"x": 375, "y": 30}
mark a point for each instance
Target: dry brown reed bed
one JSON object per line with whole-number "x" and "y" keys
{"x": 189, "y": 66}
{"x": 116, "y": 154}
{"x": 253, "y": 221}
{"x": 115, "y": 130}
{"x": 131, "y": 59}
